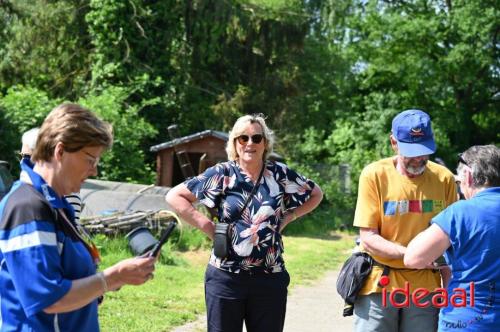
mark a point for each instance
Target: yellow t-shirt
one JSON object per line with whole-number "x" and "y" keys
{"x": 401, "y": 207}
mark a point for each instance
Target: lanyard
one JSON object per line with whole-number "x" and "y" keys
{"x": 83, "y": 236}
{"x": 55, "y": 202}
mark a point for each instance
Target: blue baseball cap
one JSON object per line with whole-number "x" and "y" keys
{"x": 413, "y": 132}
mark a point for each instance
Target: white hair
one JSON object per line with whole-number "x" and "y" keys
{"x": 29, "y": 140}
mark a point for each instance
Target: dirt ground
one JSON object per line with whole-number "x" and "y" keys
{"x": 315, "y": 308}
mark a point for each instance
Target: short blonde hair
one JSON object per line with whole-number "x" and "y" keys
{"x": 75, "y": 127}
{"x": 238, "y": 129}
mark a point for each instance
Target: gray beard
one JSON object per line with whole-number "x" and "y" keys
{"x": 415, "y": 170}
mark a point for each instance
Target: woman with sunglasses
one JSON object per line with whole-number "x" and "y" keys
{"x": 48, "y": 277}
{"x": 257, "y": 198}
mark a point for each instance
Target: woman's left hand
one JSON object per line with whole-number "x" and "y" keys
{"x": 287, "y": 218}
{"x": 308, "y": 206}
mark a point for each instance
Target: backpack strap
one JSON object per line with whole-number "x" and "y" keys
{"x": 385, "y": 273}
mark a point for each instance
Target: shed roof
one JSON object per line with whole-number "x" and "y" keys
{"x": 206, "y": 133}
{"x": 186, "y": 139}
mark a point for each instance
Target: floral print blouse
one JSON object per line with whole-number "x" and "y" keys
{"x": 256, "y": 242}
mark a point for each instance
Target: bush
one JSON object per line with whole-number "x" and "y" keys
{"x": 125, "y": 161}
{"x": 22, "y": 108}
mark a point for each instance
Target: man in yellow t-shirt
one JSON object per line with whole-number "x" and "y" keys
{"x": 397, "y": 198}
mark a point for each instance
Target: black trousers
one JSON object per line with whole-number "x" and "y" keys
{"x": 259, "y": 300}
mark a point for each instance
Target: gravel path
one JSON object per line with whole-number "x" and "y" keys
{"x": 315, "y": 308}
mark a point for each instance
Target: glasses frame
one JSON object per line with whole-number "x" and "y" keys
{"x": 244, "y": 139}
{"x": 95, "y": 160}
{"x": 461, "y": 159}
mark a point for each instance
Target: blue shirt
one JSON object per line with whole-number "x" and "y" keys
{"x": 256, "y": 241}
{"x": 473, "y": 227}
{"x": 39, "y": 258}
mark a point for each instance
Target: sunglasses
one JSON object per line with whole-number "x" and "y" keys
{"x": 243, "y": 139}
{"x": 461, "y": 160}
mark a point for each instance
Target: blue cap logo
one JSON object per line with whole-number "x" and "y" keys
{"x": 416, "y": 132}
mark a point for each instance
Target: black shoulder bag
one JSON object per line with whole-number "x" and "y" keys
{"x": 223, "y": 230}
{"x": 352, "y": 277}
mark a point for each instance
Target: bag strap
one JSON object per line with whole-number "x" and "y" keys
{"x": 82, "y": 235}
{"x": 386, "y": 270}
{"x": 77, "y": 231}
{"x": 254, "y": 189}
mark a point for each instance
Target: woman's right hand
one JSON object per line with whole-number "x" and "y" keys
{"x": 181, "y": 200}
{"x": 209, "y": 229}
{"x": 132, "y": 271}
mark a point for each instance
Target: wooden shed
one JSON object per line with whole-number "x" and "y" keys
{"x": 201, "y": 150}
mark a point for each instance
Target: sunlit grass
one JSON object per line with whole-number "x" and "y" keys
{"x": 175, "y": 296}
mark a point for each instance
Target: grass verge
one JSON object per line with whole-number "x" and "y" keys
{"x": 175, "y": 296}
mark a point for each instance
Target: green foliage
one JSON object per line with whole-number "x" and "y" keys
{"x": 140, "y": 45}
{"x": 26, "y": 107}
{"x": 122, "y": 31}
{"x": 21, "y": 108}
{"x": 242, "y": 59}
{"x": 229, "y": 108}
{"x": 322, "y": 222}
{"x": 110, "y": 247}
{"x": 125, "y": 161}
{"x": 44, "y": 45}
{"x": 330, "y": 75}
{"x": 429, "y": 56}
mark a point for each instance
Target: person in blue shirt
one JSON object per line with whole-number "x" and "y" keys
{"x": 48, "y": 265}
{"x": 468, "y": 232}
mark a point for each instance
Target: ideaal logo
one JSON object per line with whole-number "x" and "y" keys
{"x": 440, "y": 299}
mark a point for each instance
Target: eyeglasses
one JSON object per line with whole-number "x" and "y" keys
{"x": 461, "y": 159}
{"x": 243, "y": 139}
{"x": 93, "y": 161}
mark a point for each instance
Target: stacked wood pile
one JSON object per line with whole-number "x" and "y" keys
{"x": 124, "y": 221}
